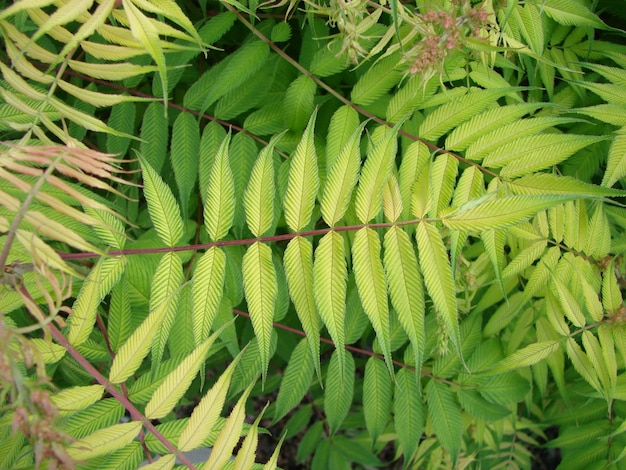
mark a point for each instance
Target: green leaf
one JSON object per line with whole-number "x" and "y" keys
{"x": 339, "y": 389}
{"x": 438, "y": 278}
{"x": 298, "y": 104}
{"x": 230, "y": 434}
{"x": 446, "y": 417}
{"x": 104, "y": 441}
{"x": 136, "y": 347}
{"x": 474, "y": 404}
{"x": 372, "y": 286}
{"x": 490, "y": 213}
{"x": 582, "y": 364}
{"x": 377, "y": 391}
{"x": 205, "y": 415}
{"x": 146, "y": 33}
{"x": 101, "y": 279}
{"x": 296, "y": 380}
{"x": 571, "y": 13}
{"x": 443, "y": 172}
{"x": 162, "y": 206}
{"x": 177, "y": 382}
{"x": 343, "y": 124}
{"x": 527, "y": 356}
{"x": 165, "y": 290}
{"x": 378, "y": 79}
{"x": 303, "y": 181}
{"x": 616, "y": 164}
{"x": 342, "y": 177}
{"x": 406, "y": 288}
{"x": 185, "y": 152}
{"x": 611, "y": 293}
{"x": 329, "y": 286}
{"x": 298, "y": 261}
{"x": 259, "y": 196}
{"x": 208, "y": 284}
{"x": 409, "y": 411}
{"x": 259, "y": 282}
{"x": 450, "y": 115}
{"x": 219, "y": 208}
{"x": 374, "y": 175}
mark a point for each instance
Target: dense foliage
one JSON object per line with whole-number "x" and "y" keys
{"x": 400, "y": 226}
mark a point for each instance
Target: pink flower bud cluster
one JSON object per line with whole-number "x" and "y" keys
{"x": 445, "y": 32}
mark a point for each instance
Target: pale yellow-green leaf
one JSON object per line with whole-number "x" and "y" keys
{"x": 374, "y": 175}
{"x": 75, "y": 399}
{"x": 206, "y": 413}
{"x": 443, "y": 173}
{"x": 41, "y": 252}
{"x": 527, "y": 356}
{"x": 392, "y": 199}
{"x": 219, "y": 208}
{"x": 177, "y": 382}
{"x": 46, "y": 350}
{"x": 329, "y": 286}
{"x": 489, "y": 213}
{"x": 272, "y": 462}
{"x": 22, "y": 5}
{"x": 170, "y": 10}
{"x": 420, "y": 193}
{"x": 303, "y": 181}
{"x": 372, "y": 286}
{"x": 134, "y": 350}
{"x": 258, "y": 198}
{"x": 608, "y": 354}
{"x": 406, "y": 287}
{"x": 298, "y": 262}
{"x": 104, "y": 441}
{"x": 145, "y": 32}
{"x": 230, "y": 434}
{"x": 438, "y": 278}
{"x": 414, "y": 158}
{"x": 342, "y": 179}
{"x": 64, "y": 14}
{"x": 96, "y": 98}
{"x": 247, "y": 453}
{"x": 165, "y": 462}
{"x": 101, "y": 279}
{"x": 261, "y": 288}
{"x": 208, "y": 284}
{"x": 114, "y": 72}
{"x": 162, "y": 206}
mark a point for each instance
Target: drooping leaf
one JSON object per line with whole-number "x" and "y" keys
{"x": 329, "y": 286}
{"x": 298, "y": 261}
{"x": 338, "y": 389}
{"x": 377, "y": 393}
{"x": 372, "y": 286}
{"x": 446, "y": 417}
{"x": 208, "y": 283}
{"x": 296, "y": 380}
{"x": 526, "y": 356}
{"x": 406, "y": 288}
{"x": 438, "y": 278}
{"x": 259, "y": 282}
